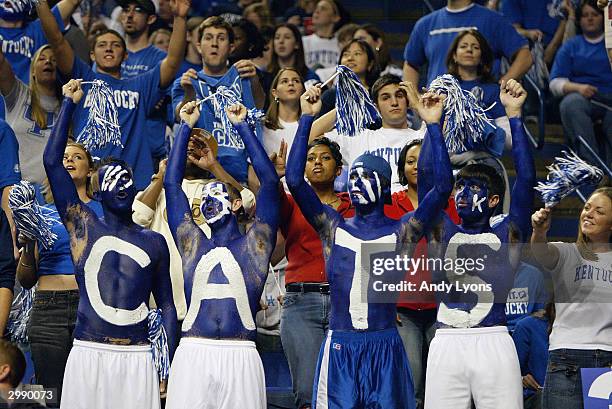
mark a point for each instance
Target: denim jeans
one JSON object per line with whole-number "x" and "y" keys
{"x": 304, "y": 325}
{"x": 578, "y": 115}
{"x": 50, "y": 331}
{"x": 563, "y": 383}
{"x": 417, "y": 330}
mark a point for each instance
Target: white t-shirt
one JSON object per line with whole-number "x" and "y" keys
{"x": 272, "y": 139}
{"x": 384, "y": 142}
{"x": 320, "y": 52}
{"x": 583, "y": 300}
{"x": 31, "y": 138}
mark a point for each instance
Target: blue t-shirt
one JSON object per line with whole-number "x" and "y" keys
{"x": 135, "y": 99}
{"x": 531, "y": 340}
{"x": 138, "y": 63}
{"x": 434, "y": 33}
{"x": 527, "y": 295}
{"x": 584, "y": 63}
{"x": 9, "y": 171}
{"x": 532, "y": 15}
{"x": 487, "y": 95}
{"x": 232, "y": 154}
{"x": 20, "y": 44}
{"x": 185, "y": 66}
{"x": 58, "y": 259}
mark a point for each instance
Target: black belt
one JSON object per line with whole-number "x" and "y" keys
{"x": 307, "y": 288}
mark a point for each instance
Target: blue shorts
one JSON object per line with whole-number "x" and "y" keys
{"x": 363, "y": 370}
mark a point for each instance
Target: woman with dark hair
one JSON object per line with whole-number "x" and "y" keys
{"x": 470, "y": 61}
{"x": 31, "y": 109}
{"x": 581, "y": 334}
{"x": 288, "y": 51}
{"x": 376, "y": 38}
{"x": 581, "y": 75}
{"x": 284, "y": 109}
{"x": 53, "y": 316}
{"x": 248, "y": 42}
{"x": 360, "y": 57}
{"x": 416, "y": 312}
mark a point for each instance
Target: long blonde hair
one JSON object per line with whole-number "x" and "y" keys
{"x": 582, "y": 240}
{"x": 38, "y": 113}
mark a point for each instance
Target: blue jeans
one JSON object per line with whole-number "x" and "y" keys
{"x": 577, "y": 116}
{"x": 50, "y": 333}
{"x": 417, "y": 330}
{"x": 304, "y": 325}
{"x": 563, "y": 383}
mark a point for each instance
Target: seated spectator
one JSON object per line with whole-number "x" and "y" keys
{"x": 581, "y": 75}
{"x": 387, "y": 142}
{"x": 361, "y": 59}
{"x": 433, "y": 34}
{"x": 470, "y": 60}
{"x": 31, "y": 109}
{"x": 259, "y": 15}
{"x": 160, "y": 39}
{"x": 527, "y": 295}
{"x": 12, "y": 368}
{"x": 321, "y": 47}
{"x": 288, "y": 52}
{"x": 376, "y": 38}
{"x": 530, "y": 337}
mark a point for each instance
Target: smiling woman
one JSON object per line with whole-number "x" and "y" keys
{"x": 581, "y": 334}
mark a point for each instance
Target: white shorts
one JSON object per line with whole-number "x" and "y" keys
{"x": 104, "y": 376}
{"x": 216, "y": 374}
{"x": 473, "y": 363}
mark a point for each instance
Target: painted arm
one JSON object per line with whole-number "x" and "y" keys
{"x": 62, "y": 49}
{"x": 62, "y": 186}
{"x": 176, "y": 51}
{"x": 436, "y": 197}
{"x": 521, "y": 201}
{"x": 177, "y": 204}
{"x": 162, "y": 291}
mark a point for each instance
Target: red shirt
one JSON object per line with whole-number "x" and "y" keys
{"x": 402, "y": 205}
{"x": 303, "y": 246}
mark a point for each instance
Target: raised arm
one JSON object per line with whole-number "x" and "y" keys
{"x": 176, "y": 51}
{"x": 62, "y": 186}
{"x": 162, "y": 291}
{"x": 433, "y": 195}
{"x": 62, "y": 49}
{"x": 7, "y": 77}
{"x": 177, "y": 204}
{"x": 546, "y": 254}
{"x": 304, "y": 195}
{"x": 66, "y": 8}
{"x": 513, "y": 96}
{"x": 267, "y": 197}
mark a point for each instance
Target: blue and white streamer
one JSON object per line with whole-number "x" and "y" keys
{"x": 566, "y": 174}
{"x": 159, "y": 343}
{"x": 355, "y": 109}
{"x": 20, "y": 316}
{"x": 467, "y": 126}
{"x": 102, "y": 126}
{"x": 555, "y": 8}
{"x": 223, "y": 98}
{"x": 31, "y": 219}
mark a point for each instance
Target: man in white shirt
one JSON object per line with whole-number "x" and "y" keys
{"x": 387, "y": 142}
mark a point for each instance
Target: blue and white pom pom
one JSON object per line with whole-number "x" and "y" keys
{"x": 467, "y": 126}
{"x": 225, "y": 97}
{"x": 555, "y": 9}
{"x": 31, "y": 219}
{"x": 102, "y": 126}
{"x": 355, "y": 109}
{"x": 566, "y": 174}
{"x": 159, "y": 343}
{"x": 20, "y": 316}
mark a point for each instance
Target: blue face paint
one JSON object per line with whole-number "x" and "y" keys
{"x": 364, "y": 186}
{"x": 14, "y": 10}
{"x": 216, "y": 204}
{"x": 471, "y": 198}
{"x": 117, "y": 190}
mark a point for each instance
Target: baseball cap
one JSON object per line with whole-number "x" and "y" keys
{"x": 147, "y": 5}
